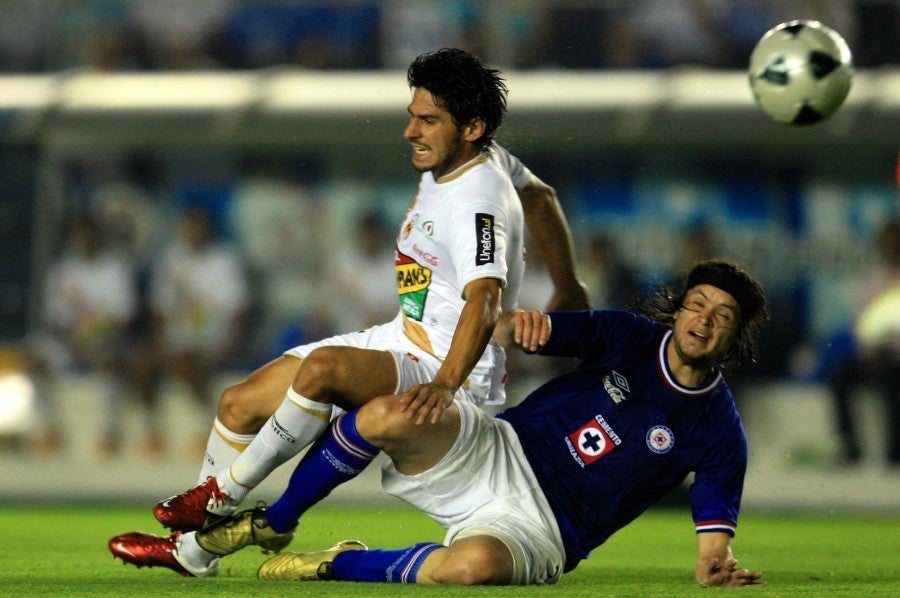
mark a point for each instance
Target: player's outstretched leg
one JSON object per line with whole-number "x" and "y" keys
{"x": 310, "y": 566}
{"x": 148, "y": 550}
{"x": 349, "y": 560}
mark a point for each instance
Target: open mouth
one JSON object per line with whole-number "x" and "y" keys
{"x": 698, "y": 336}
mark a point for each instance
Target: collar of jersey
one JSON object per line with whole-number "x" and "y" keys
{"x": 452, "y": 176}
{"x": 670, "y": 379}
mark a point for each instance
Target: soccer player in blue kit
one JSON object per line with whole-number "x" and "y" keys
{"x": 525, "y": 496}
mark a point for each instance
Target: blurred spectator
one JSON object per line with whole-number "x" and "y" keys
{"x": 645, "y": 34}
{"x": 281, "y": 223}
{"x": 698, "y": 243}
{"x": 873, "y": 359}
{"x": 179, "y": 34}
{"x": 98, "y": 34}
{"x": 21, "y": 35}
{"x": 364, "y": 282}
{"x": 629, "y": 35}
{"x": 410, "y": 27}
{"x": 199, "y": 300}
{"x": 612, "y": 283}
{"x": 876, "y": 41}
{"x": 90, "y": 301}
{"x": 319, "y": 35}
{"x": 125, "y": 192}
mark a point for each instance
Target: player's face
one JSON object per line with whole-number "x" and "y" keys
{"x": 705, "y": 326}
{"x": 438, "y": 144}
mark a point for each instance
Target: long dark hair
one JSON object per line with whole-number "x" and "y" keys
{"x": 462, "y": 86}
{"x": 662, "y": 302}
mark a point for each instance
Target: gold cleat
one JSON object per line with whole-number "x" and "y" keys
{"x": 305, "y": 566}
{"x": 243, "y": 529}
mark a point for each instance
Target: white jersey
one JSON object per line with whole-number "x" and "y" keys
{"x": 517, "y": 171}
{"x": 464, "y": 226}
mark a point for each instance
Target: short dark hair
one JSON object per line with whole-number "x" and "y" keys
{"x": 662, "y": 303}
{"x": 463, "y": 86}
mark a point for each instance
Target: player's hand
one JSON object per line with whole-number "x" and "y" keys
{"x": 728, "y": 574}
{"x": 426, "y": 402}
{"x": 531, "y": 329}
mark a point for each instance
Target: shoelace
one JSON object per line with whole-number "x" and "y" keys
{"x": 199, "y": 497}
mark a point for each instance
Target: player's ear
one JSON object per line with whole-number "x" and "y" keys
{"x": 473, "y": 130}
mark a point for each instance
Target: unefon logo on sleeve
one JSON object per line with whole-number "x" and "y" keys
{"x": 484, "y": 232}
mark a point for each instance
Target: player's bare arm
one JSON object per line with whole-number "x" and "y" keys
{"x": 426, "y": 402}
{"x": 716, "y": 565}
{"x": 548, "y": 227}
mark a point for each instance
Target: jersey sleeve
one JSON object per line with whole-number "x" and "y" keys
{"x": 480, "y": 233}
{"x": 518, "y": 172}
{"x": 588, "y": 333}
{"x": 719, "y": 482}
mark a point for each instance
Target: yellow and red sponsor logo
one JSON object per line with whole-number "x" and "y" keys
{"x": 413, "y": 280}
{"x": 411, "y": 276}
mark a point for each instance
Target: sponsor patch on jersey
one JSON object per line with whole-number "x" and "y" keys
{"x": 413, "y": 281}
{"x": 620, "y": 381}
{"x": 613, "y": 388}
{"x": 590, "y": 443}
{"x": 408, "y": 227}
{"x": 484, "y": 232}
{"x": 660, "y": 439}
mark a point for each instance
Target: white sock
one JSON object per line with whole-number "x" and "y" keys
{"x": 293, "y": 426}
{"x": 222, "y": 448}
{"x": 192, "y": 553}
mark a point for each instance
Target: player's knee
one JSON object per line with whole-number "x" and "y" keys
{"x": 382, "y": 423}
{"x": 239, "y": 412}
{"x": 320, "y": 374}
{"x": 479, "y": 563}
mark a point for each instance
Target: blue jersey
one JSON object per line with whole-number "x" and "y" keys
{"x": 609, "y": 439}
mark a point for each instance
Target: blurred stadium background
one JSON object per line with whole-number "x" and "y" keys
{"x": 283, "y": 120}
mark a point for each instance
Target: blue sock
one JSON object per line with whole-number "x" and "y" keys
{"x": 336, "y": 457}
{"x": 398, "y": 566}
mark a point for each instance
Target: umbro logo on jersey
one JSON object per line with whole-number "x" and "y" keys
{"x": 616, "y": 385}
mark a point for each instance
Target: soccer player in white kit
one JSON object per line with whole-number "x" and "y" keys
{"x": 459, "y": 263}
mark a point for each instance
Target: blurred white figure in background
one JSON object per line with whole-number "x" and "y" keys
{"x": 90, "y": 302}
{"x": 363, "y": 279}
{"x": 199, "y": 299}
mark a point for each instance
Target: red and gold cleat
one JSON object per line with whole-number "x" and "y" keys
{"x": 148, "y": 550}
{"x": 194, "y": 509}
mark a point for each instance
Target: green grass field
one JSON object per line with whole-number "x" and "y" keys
{"x": 61, "y": 551}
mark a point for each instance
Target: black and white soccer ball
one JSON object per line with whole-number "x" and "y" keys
{"x": 800, "y": 72}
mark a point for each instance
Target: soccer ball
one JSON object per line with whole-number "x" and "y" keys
{"x": 800, "y": 72}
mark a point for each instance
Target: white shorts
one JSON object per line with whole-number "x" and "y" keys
{"x": 414, "y": 365}
{"x": 484, "y": 485}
